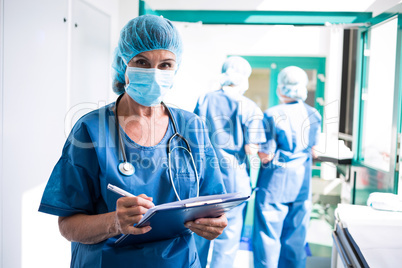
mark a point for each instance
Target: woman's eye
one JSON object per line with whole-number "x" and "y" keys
{"x": 141, "y": 63}
{"x": 165, "y": 65}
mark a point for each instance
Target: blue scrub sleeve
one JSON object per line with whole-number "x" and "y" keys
{"x": 270, "y": 145}
{"x": 212, "y": 177}
{"x": 201, "y": 106}
{"x": 317, "y": 127}
{"x": 254, "y": 127}
{"x": 73, "y": 186}
{"x": 197, "y": 108}
{"x": 214, "y": 161}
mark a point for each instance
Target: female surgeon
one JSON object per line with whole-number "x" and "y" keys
{"x": 283, "y": 198}
{"x": 140, "y": 129}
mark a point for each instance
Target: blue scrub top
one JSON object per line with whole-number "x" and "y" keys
{"x": 291, "y": 130}
{"x": 78, "y": 184}
{"x": 233, "y": 121}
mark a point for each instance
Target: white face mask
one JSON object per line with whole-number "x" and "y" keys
{"x": 243, "y": 87}
{"x": 148, "y": 86}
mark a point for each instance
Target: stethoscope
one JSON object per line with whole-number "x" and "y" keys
{"x": 127, "y": 169}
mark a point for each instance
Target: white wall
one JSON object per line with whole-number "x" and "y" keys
{"x": 206, "y": 47}
{"x": 36, "y": 95}
{"x": 333, "y": 81}
{"x": 35, "y": 46}
{"x": 381, "y": 6}
{"x": 1, "y": 122}
{"x": 128, "y": 9}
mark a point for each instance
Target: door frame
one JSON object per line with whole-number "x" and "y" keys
{"x": 276, "y": 63}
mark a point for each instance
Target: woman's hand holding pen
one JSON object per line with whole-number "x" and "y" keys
{"x": 209, "y": 228}
{"x": 129, "y": 211}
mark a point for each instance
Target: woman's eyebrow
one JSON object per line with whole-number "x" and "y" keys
{"x": 169, "y": 59}
{"x": 139, "y": 57}
{"x": 145, "y": 58}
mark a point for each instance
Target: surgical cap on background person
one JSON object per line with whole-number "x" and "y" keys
{"x": 144, "y": 33}
{"x": 235, "y": 71}
{"x": 292, "y": 83}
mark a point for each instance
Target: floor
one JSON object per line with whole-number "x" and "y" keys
{"x": 319, "y": 238}
{"x": 244, "y": 259}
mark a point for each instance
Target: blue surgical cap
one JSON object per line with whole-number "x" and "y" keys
{"x": 235, "y": 71}
{"x": 292, "y": 83}
{"x": 144, "y": 33}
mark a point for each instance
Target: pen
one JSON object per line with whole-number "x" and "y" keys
{"x": 119, "y": 191}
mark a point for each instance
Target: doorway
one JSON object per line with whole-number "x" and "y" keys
{"x": 263, "y": 79}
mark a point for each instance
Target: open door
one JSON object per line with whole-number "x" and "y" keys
{"x": 376, "y": 164}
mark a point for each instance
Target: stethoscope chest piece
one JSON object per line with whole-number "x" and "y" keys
{"x": 126, "y": 168}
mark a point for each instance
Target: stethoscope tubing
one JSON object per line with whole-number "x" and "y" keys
{"x": 127, "y": 169}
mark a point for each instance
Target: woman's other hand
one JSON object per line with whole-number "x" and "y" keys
{"x": 209, "y": 228}
{"x": 129, "y": 211}
{"x": 265, "y": 158}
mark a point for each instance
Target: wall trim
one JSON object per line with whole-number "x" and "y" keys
{"x": 258, "y": 17}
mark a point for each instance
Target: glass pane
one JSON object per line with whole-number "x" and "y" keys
{"x": 378, "y": 95}
{"x": 311, "y": 86}
{"x": 259, "y": 87}
{"x": 258, "y": 90}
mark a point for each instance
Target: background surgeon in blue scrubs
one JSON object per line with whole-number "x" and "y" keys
{"x": 283, "y": 198}
{"x": 91, "y": 217}
{"x": 235, "y": 129}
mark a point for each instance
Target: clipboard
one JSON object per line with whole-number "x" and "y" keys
{"x": 167, "y": 220}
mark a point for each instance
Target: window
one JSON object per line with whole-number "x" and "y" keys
{"x": 377, "y": 95}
